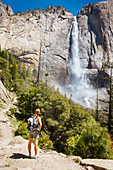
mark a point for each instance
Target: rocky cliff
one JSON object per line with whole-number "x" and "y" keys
{"x": 96, "y": 37}
{"x": 39, "y": 37}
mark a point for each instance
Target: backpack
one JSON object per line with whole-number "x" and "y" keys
{"x": 32, "y": 125}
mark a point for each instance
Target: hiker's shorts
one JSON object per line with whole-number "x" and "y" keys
{"x": 34, "y": 134}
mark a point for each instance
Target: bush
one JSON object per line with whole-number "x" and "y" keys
{"x": 44, "y": 142}
{"x": 92, "y": 142}
{"x": 12, "y": 110}
{"x": 22, "y": 130}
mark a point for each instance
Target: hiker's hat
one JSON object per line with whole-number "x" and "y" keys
{"x": 37, "y": 111}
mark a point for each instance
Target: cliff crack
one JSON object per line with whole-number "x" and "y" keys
{"x": 60, "y": 56}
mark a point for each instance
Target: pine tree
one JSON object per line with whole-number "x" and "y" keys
{"x": 109, "y": 102}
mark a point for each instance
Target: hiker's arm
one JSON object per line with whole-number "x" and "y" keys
{"x": 40, "y": 128}
{"x": 40, "y": 122}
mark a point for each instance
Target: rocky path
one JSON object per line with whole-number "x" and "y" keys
{"x": 14, "y": 155}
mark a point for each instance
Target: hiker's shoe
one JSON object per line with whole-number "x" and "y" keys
{"x": 29, "y": 155}
{"x": 36, "y": 156}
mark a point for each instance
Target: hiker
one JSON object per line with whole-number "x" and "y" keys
{"x": 36, "y": 125}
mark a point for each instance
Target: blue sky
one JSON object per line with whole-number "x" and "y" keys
{"x": 72, "y": 6}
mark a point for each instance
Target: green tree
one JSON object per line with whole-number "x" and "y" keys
{"x": 92, "y": 142}
{"x": 13, "y": 70}
{"x": 13, "y": 74}
{"x": 109, "y": 109}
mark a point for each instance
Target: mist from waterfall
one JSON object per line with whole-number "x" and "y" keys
{"x": 78, "y": 86}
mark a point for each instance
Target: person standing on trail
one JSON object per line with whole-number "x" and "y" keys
{"x": 35, "y": 127}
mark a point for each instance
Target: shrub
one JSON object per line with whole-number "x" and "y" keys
{"x": 92, "y": 142}
{"x": 22, "y": 130}
{"x": 44, "y": 142}
{"x": 12, "y": 110}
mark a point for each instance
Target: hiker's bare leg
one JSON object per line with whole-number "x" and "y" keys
{"x": 36, "y": 146}
{"x": 29, "y": 145}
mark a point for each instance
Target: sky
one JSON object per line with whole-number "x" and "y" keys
{"x": 73, "y": 6}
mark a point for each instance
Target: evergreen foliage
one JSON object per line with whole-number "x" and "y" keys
{"x": 44, "y": 142}
{"x": 22, "y": 130}
{"x": 13, "y": 74}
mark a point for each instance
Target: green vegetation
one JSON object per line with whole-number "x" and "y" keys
{"x": 13, "y": 121}
{"x": 45, "y": 142}
{"x": 22, "y": 130}
{"x": 13, "y": 74}
{"x": 67, "y": 128}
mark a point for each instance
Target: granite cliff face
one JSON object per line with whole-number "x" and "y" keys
{"x": 96, "y": 37}
{"x": 93, "y": 27}
{"x": 39, "y": 33}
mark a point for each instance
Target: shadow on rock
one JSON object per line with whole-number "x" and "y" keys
{"x": 19, "y": 156}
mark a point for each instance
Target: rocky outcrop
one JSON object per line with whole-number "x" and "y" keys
{"x": 99, "y": 164}
{"x": 4, "y": 96}
{"x": 43, "y": 34}
{"x": 5, "y": 10}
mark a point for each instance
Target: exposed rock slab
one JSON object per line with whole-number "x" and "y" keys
{"x": 99, "y": 164}
{"x": 4, "y": 96}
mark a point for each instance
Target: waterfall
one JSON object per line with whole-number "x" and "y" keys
{"x": 75, "y": 66}
{"x": 79, "y": 85}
